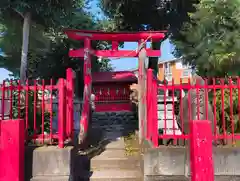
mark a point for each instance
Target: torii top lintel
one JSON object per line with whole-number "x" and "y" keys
{"x": 115, "y": 36}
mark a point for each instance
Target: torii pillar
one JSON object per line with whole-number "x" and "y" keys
{"x": 115, "y": 37}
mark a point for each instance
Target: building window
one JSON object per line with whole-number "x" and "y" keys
{"x": 186, "y": 73}
{"x": 179, "y": 65}
{"x": 167, "y": 68}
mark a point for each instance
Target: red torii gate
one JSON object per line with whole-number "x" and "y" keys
{"x": 115, "y": 38}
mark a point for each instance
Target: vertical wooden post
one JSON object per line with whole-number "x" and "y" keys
{"x": 142, "y": 90}
{"x": 84, "y": 122}
{"x": 149, "y": 103}
{"x": 70, "y": 106}
{"x": 61, "y": 113}
{"x": 154, "y": 129}
{"x": 201, "y": 151}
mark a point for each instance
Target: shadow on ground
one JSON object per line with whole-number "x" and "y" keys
{"x": 50, "y": 163}
{"x": 73, "y": 163}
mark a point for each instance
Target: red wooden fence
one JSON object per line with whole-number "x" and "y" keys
{"x": 112, "y": 97}
{"x": 34, "y": 103}
{"x": 223, "y": 96}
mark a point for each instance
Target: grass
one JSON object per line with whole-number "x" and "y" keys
{"x": 132, "y": 147}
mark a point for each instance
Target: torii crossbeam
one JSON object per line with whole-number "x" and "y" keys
{"x": 115, "y": 37}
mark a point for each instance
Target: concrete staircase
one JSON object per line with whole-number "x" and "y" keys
{"x": 107, "y": 163}
{"x": 112, "y": 164}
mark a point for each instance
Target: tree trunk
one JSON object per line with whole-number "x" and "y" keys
{"x": 25, "y": 42}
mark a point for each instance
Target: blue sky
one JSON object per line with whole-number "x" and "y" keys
{"x": 4, "y": 74}
{"x": 118, "y": 64}
{"x": 130, "y": 63}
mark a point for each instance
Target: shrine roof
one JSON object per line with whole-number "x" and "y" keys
{"x": 115, "y": 36}
{"x": 119, "y": 76}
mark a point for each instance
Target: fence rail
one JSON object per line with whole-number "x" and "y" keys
{"x": 213, "y": 99}
{"x": 38, "y": 105}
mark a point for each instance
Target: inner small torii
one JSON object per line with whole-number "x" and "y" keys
{"x": 115, "y": 37}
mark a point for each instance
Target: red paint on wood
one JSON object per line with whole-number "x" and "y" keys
{"x": 149, "y": 103}
{"x": 114, "y": 53}
{"x": 201, "y": 151}
{"x": 114, "y": 36}
{"x": 111, "y": 92}
{"x": 155, "y": 114}
{"x": 112, "y": 107}
{"x": 12, "y": 150}
{"x": 110, "y": 77}
{"x": 43, "y": 109}
{"x": 61, "y": 113}
{"x": 112, "y": 97}
{"x": 87, "y": 86}
{"x": 40, "y": 103}
{"x": 115, "y": 45}
{"x": 3, "y": 99}
{"x": 218, "y": 85}
{"x": 70, "y": 109}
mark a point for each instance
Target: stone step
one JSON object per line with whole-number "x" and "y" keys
{"x": 50, "y": 178}
{"x": 112, "y": 128}
{"x": 103, "y": 175}
{"x": 166, "y": 178}
{"x": 116, "y": 175}
{"x": 109, "y": 127}
{"x": 113, "y": 153}
{"x": 112, "y": 114}
{"x": 183, "y": 178}
{"x": 114, "y": 179}
{"x": 114, "y": 163}
{"x": 67, "y": 178}
{"x": 112, "y": 136}
{"x": 118, "y": 144}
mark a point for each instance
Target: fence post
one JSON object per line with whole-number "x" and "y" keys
{"x": 154, "y": 114}
{"x": 201, "y": 151}
{"x": 12, "y": 150}
{"x": 149, "y": 102}
{"x": 61, "y": 113}
{"x": 3, "y": 100}
{"x": 70, "y": 106}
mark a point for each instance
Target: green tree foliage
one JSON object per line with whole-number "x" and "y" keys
{"x": 230, "y": 119}
{"x": 148, "y": 15}
{"x": 48, "y": 46}
{"x": 11, "y": 43}
{"x": 46, "y": 13}
{"x": 210, "y": 41}
{"x": 158, "y": 15}
{"x": 225, "y": 104}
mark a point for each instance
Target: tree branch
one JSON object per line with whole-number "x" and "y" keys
{"x": 18, "y": 12}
